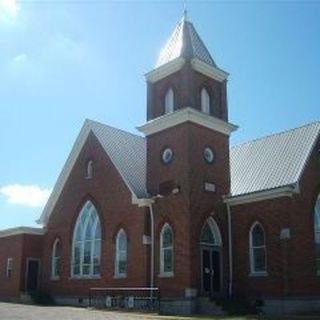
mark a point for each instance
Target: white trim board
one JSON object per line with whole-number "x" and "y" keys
{"x": 22, "y": 230}
{"x": 287, "y": 191}
{"x": 184, "y": 115}
{"x": 177, "y": 64}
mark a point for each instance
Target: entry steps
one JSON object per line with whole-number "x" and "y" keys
{"x": 206, "y": 306}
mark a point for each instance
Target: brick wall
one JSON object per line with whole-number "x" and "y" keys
{"x": 11, "y": 247}
{"x": 290, "y": 263}
{"x": 187, "y": 84}
{"x": 112, "y": 200}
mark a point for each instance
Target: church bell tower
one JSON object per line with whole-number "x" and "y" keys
{"x": 187, "y": 128}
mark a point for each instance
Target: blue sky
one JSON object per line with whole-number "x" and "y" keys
{"x": 64, "y": 61}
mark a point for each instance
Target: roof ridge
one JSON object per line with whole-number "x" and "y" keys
{"x": 118, "y": 129}
{"x": 275, "y": 134}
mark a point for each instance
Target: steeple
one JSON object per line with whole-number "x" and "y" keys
{"x": 186, "y": 76}
{"x": 184, "y": 42}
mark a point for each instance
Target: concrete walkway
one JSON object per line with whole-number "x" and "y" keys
{"x": 10, "y": 311}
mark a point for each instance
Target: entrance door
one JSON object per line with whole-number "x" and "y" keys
{"x": 210, "y": 271}
{"x": 33, "y": 268}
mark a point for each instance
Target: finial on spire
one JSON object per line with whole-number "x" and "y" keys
{"x": 185, "y": 11}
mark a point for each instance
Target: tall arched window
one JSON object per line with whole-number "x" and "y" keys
{"x": 257, "y": 242}
{"x": 205, "y": 101}
{"x": 56, "y": 260}
{"x": 169, "y": 101}
{"x": 121, "y": 254}
{"x": 317, "y": 233}
{"x": 86, "y": 245}
{"x": 166, "y": 251}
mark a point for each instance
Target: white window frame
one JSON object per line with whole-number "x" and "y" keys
{"x": 252, "y": 249}
{"x": 119, "y": 274}
{"x": 169, "y": 101}
{"x": 163, "y": 273}
{"x": 9, "y": 268}
{"x": 82, "y": 242}
{"x": 205, "y": 101}
{"x": 316, "y": 230}
{"x": 89, "y": 169}
{"x": 55, "y": 259}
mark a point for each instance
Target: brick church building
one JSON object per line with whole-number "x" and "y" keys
{"x": 176, "y": 207}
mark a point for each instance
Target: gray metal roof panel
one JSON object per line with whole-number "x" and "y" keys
{"x": 272, "y": 161}
{"x": 127, "y": 152}
{"x": 184, "y": 42}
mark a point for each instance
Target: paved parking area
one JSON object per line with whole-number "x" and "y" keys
{"x": 10, "y": 311}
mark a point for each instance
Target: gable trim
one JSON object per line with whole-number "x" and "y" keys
{"x": 66, "y": 171}
{"x": 184, "y": 115}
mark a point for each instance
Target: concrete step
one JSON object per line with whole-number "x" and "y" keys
{"x": 207, "y": 307}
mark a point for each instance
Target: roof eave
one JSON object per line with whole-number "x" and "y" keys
{"x": 22, "y": 230}
{"x": 187, "y": 114}
{"x": 165, "y": 70}
{"x": 283, "y": 191}
{"x": 209, "y": 70}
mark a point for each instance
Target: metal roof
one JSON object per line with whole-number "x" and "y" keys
{"x": 128, "y": 153}
{"x": 273, "y": 161}
{"x": 263, "y": 164}
{"x": 184, "y": 42}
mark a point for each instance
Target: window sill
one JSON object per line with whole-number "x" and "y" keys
{"x": 120, "y": 276}
{"x": 166, "y": 275}
{"x": 259, "y": 274}
{"x": 84, "y": 277}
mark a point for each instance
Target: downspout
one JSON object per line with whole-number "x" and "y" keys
{"x": 230, "y": 250}
{"x": 152, "y": 246}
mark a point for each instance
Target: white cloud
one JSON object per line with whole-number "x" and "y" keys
{"x": 20, "y": 58}
{"x": 9, "y": 10}
{"x": 26, "y": 195}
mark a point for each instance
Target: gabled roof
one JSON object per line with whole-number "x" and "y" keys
{"x": 273, "y": 161}
{"x": 128, "y": 153}
{"x": 126, "y": 150}
{"x": 186, "y": 43}
{"x": 264, "y": 164}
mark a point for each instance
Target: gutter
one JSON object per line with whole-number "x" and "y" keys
{"x": 286, "y": 191}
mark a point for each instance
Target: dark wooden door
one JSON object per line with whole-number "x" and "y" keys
{"x": 33, "y": 275}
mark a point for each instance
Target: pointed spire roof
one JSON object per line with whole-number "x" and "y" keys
{"x": 184, "y": 42}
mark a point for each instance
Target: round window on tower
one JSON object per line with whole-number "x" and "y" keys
{"x": 167, "y": 155}
{"x": 208, "y": 155}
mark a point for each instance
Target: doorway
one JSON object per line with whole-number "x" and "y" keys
{"x": 210, "y": 271}
{"x": 211, "y": 264}
{"x": 32, "y": 275}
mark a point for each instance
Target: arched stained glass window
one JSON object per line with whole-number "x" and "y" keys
{"x": 56, "y": 260}
{"x": 166, "y": 251}
{"x": 121, "y": 254}
{"x": 258, "y": 261}
{"x": 86, "y": 246}
{"x": 169, "y": 101}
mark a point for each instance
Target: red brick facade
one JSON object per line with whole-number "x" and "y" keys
{"x": 290, "y": 270}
